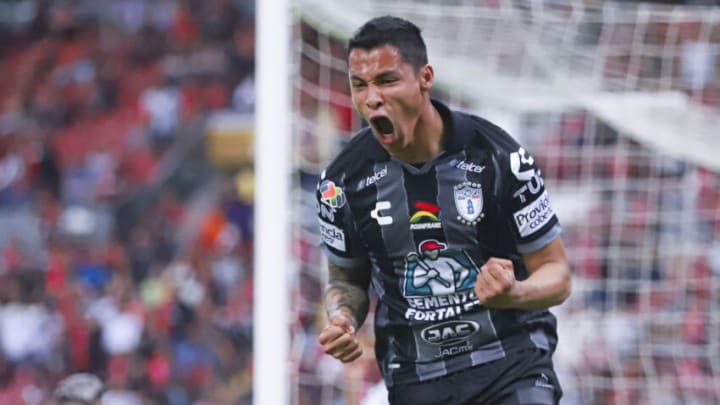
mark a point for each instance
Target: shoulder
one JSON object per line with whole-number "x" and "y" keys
{"x": 362, "y": 150}
{"x": 485, "y": 134}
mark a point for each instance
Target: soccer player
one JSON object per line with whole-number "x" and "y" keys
{"x": 447, "y": 217}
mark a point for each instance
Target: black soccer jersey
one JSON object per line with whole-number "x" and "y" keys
{"x": 426, "y": 231}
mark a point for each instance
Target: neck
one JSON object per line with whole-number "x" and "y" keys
{"x": 427, "y": 139}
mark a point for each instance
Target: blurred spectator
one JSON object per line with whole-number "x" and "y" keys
{"x": 160, "y": 105}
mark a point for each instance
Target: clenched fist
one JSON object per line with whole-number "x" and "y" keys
{"x": 338, "y": 339}
{"x": 495, "y": 283}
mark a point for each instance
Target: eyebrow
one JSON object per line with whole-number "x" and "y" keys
{"x": 381, "y": 75}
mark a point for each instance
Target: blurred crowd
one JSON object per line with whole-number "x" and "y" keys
{"x": 641, "y": 323}
{"x": 123, "y": 253}
{"x": 126, "y": 254}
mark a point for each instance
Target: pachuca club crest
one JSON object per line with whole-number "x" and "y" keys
{"x": 469, "y": 202}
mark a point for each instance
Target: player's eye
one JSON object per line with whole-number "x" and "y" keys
{"x": 358, "y": 85}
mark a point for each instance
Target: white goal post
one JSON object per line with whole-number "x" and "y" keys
{"x": 620, "y": 105}
{"x": 272, "y": 264}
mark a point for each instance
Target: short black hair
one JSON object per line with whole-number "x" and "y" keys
{"x": 395, "y": 31}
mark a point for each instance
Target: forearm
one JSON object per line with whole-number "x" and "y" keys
{"x": 347, "y": 293}
{"x": 349, "y": 300}
{"x": 549, "y": 281}
{"x": 547, "y": 286}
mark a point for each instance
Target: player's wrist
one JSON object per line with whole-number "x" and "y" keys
{"x": 527, "y": 296}
{"x": 518, "y": 294}
{"x": 344, "y": 312}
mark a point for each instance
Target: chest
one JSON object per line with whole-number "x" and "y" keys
{"x": 453, "y": 201}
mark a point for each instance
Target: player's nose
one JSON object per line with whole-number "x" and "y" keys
{"x": 374, "y": 98}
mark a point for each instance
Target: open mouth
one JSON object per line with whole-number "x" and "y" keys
{"x": 383, "y": 125}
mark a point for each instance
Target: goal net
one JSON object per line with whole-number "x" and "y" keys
{"x": 620, "y": 105}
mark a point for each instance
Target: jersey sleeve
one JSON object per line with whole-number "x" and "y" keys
{"x": 525, "y": 200}
{"x": 338, "y": 235}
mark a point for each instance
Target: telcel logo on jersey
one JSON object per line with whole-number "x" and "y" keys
{"x": 374, "y": 178}
{"x": 469, "y": 167}
{"x": 425, "y": 217}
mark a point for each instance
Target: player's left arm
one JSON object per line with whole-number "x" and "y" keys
{"x": 548, "y": 284}
{"x": 530, "y": 216}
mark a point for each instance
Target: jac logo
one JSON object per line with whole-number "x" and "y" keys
{"x": 449, "y": 333}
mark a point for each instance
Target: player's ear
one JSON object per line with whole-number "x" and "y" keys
{"x": 426, "y": 76}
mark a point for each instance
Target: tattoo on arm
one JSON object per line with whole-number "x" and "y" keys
{"x": 347, "y": 292}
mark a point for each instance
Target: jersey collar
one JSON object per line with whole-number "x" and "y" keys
{"x": 457, "y": 132}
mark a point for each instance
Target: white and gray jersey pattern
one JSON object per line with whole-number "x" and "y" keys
{"x": 425, "y": 231}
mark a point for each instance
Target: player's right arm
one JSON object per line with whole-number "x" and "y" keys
{"x": 347, "y": 303}
{"x": 346, "y": 295}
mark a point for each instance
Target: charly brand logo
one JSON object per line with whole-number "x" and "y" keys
{"x": 469, "y": 166}
{"x": 331, "y": 195}
{"x": 375, "y": 213}
{"x": 374, "y": 178}
{"x": 425, "y": 217}
{"x": 469, "y": 202}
